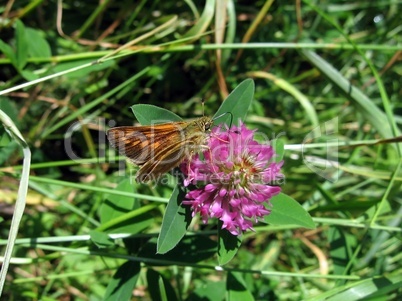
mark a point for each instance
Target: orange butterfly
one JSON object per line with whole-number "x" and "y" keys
{"x": 161, "y": 147}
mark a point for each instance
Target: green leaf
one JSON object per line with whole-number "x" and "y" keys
{"x": 367, "y": 215}
{"x": 28, "y": 75}
{"x": 228, "y": 245}
{"x": 236, "y": 288}
{"x": 101, "y": 239}
{"x": 340, "y": 248}
{"x": 123, "y": 213}
{"x": 237, "y": 103}
{"x": 210, "y": 290}
{"x": 9, "y": 107}
{"x": 158, "y": 287}
{"x": 149, "y": 114}
{"x": 286, "y": 211}
{"x": 190, "y": 249}
{"x": 279, "y": 147}
{"x": 8, "y": 51}
{"x": 117, "y": 205}
{"x": 21, "y": 45}
{"x": 37, "y": 45}
{"x": 8, "y": 147}
{"x": 175, "y": 221}
{"x": 132, "y": 222}
{"x": 123, "y": 282}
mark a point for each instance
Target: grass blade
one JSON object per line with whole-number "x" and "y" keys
{"x": 22, "y": 193}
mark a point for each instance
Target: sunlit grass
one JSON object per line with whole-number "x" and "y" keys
{"x": 328, "y": 73}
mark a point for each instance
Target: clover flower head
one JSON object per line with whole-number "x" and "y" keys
{"x": 233, "y": 179}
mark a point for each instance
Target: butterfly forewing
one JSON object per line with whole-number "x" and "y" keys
{"x": 164, "y": 161}
{"x": 139, "y": 143}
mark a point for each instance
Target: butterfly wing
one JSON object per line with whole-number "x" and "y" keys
{"x": 140, "y": 143}
{"x": 163, "y": 161}
{"x": 158, "y": 148}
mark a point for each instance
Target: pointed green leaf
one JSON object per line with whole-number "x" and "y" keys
{"x": 236, "y": 288}
{"x": 37, "y": 45}
{"x": 21, "y": 45}
{"x": 237, "y": 103}
{"x": 279, "y": 147}
{"x": 159, "y": 287}
{"x": 123, "y": 282}
{"x": 123, "y": 214}
{"x": 209, "y": 290}
{"x": 286, "y": 211}
{"x": 385, "y": 208}
{"x": 7, "y": 50}
{"x": 131, "y": 222}
{"x": 117, "y": 205}
{"x": 149, "y": 114}
{"x": 101, "y": 239}
{"x": 175, "y": 221}
{"x": 29, "y": 75}
{"x": 228, "y": 245}
{"x": 341, "y": 246}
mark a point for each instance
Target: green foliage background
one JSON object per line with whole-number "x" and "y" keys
{"x": 314, "y": 63}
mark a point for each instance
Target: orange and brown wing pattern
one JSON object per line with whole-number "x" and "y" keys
{"x": 162, "y": 162}
{"x": 159, "y": 148}
{"x": 140, "y": 143}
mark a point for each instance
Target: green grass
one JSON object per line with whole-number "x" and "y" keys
{"x": 325, "y": 73}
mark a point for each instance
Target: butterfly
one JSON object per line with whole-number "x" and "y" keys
{"x": 158, "y": 148}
